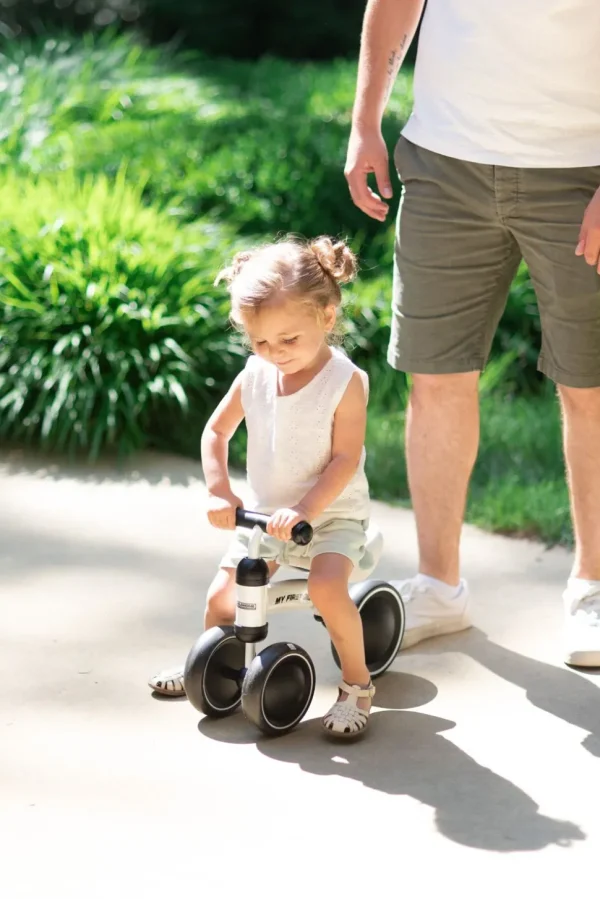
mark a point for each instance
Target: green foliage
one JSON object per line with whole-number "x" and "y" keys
{"x": 230, "y": 148}
{"x": 108, "y": 318}
{"x": 518, "y": 485}
{"x": 120, "y": 166}
{"x": 316, "y": 29}
{"x": 520, "y": 335}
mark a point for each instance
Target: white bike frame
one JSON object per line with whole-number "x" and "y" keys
{"x": 254, "y": 604}
{"x": 291, "y": 593}
{"x": 257, "y": 596}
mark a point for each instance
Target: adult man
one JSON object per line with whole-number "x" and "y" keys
{"x": 500, "y": 160}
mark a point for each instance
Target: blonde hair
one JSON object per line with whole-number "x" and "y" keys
{"x": 309, "y": 271}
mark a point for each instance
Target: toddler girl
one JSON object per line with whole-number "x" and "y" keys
{"x": 305, "y": 407}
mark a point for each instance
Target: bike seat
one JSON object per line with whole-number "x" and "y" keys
{"x": 369, "y": 561}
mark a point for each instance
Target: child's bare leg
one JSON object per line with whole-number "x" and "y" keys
{"x": 220, "y": 599}
{"x": 220, "y": 610}
{"x": 328, "y": 589}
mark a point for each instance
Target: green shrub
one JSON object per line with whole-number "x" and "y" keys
{"x": 313, "y": 29}
{"x": 260, "y": 146}
{"x": 108, "y": 318}
{"x": 518, "y": 485}
{"x": 316, "y": 29}
{"x": 112, "y": 336}
{"x": 49, "y": 89}
{"x": 520, "y": 334}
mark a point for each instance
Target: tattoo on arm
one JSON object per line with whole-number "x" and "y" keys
{"x": 394, "y": 63}
{"x": 391, "y": 63}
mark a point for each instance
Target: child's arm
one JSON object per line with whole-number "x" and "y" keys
{"x": 349, "y": 427}
{"x": 214, "y": 447}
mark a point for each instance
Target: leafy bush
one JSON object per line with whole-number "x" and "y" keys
{"x": 111, "y": 333}
{"x": 520, "y": 334}
{"x": 315, "y": 29}
{"x": 230, "y": 147}
{"x": 50, "y": 89}
{"x": 229, "y": 150}
{"x": 518, "y": 485}
{"x": 112, "y": 336}
{"x": 259, "y": 145}
{"x": 108, "y": 317}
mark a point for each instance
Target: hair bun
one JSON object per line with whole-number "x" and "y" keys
{"x": 337, "y": 259}
{"x": 231, "y": 272}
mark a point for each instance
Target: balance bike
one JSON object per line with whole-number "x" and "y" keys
{"x": 275, "y": 686}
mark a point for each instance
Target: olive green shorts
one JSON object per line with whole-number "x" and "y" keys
{"x": 462, "y": 230}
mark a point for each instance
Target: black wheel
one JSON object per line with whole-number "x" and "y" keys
{"x": 278, "y": 688}
{"x": 382, "y": 615}
{"x": 213, "y": 672}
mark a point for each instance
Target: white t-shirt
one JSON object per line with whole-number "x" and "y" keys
{"x": 509, "y": 82}
{"x": 290, "y": 438}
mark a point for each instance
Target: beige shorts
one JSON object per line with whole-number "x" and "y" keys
{"x": 462, "y": 230}
{"x": 346, "y": 537}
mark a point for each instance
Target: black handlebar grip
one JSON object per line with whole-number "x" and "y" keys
{"x": 302, "y": 533}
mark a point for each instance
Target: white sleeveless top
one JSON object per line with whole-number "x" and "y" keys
{"x": 290, "y": 438}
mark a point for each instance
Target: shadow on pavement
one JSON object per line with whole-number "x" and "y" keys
{"x": 558, "y": 691}
{"x": 394, "y": 691}
{"x": 406, "y": 754}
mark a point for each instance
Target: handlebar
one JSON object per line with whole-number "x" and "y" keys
{"x": 302, "y": 533}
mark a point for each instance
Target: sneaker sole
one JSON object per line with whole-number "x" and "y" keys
{"x": 583, "y": 658}
{"x": 434, "y": 629}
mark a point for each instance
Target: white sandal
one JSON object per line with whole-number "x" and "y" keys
{"x": 345, "y": 719}
{"x": 168, "y": 683}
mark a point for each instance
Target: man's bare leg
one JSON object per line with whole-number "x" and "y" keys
{"x": 442, "y": 438}
{"x": 581, "y": 434}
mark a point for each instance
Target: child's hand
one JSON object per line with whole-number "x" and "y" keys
{"x": 221, "y": 511}
{"x": 283, "y": 521}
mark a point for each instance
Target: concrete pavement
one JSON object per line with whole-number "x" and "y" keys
{"x": 481, "y": 768}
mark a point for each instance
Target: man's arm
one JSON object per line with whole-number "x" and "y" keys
{"x": 388, "y": 29}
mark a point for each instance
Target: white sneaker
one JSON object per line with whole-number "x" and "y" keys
{"x": 582, "y": 625}
{"x": 430, "y": 615}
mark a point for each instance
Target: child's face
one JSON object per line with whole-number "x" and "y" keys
{"x": 288, "y": 333}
